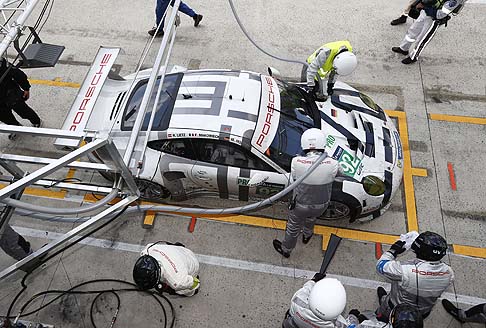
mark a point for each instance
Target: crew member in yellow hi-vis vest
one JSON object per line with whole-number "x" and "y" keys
{"x": 331, "y": 59}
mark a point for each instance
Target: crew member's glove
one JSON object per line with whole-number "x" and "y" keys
{"x": 358, "y": 315}
{"x": 444, "y": 20}
{"x": 330, "y": 87}
{"x": 318, "y": 276}
{"x": 397, "y": 248}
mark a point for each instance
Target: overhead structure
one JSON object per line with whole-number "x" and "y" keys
{"x": 14, "y": 16}
{"x": 122, "y": 167}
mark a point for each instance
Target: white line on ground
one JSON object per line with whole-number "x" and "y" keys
{"x": 241, "y": 265}
{"x": 477, "y": 2}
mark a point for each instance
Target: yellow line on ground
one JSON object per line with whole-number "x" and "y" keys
{"x": 469, "y": 251}
{"x": 55, "y": 83}
{"x": 419, "y": 172}
{"x": 459, "y": 119}
{"x": 149, "y": 218}
{"x": 407, "y": 170}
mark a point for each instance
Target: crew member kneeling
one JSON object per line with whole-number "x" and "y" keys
{"x": 167, "y": 267}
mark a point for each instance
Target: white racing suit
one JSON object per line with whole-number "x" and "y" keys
{"x": 425, "y": 26}
{"x": 178, "y": 267}
{"x": 415, "y": 282}
{"x": 311, "y": 197}
{"x": 301, "y": 316}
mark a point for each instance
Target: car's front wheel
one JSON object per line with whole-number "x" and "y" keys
{"x": 152, "y": 191}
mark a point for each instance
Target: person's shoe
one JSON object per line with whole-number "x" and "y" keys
{"x": 400, "y": 20}
{"x": 197, "y": 20}
{"x": 277, "y": 244}
{"x": 399, "y": 50}
{"x": 305, "y": 239}
{"x": 408, "y": 61}
{"x": 38, "y": 125}
{"x": 12, "y": 136}
{"x": 159, "y": 33}
{"x": 380, "y": 291}
{"x": 451, "y": 309}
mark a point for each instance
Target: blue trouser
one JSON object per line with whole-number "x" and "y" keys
{"x": 162, "y": 7}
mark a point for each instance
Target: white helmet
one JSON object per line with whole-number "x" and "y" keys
{"x": 327, "y": 299}
{"x": 313, "y": 139}
{"x": 345, "y": 63}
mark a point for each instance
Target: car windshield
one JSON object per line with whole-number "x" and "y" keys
{"x": 164, "y": 108}
{"x": 297, "y": 114}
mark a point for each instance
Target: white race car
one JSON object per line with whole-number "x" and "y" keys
{"x": 214, "y": 130}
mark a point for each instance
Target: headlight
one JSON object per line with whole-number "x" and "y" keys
{"x": 373, "y": 185}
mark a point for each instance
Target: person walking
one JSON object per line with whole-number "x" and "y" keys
{"x": 311, "y": 197}
{"x": 331, "y": 59}
{"x": 14, "y": 92}
{"x": 161, "y": 8}
{"x": 434, "y": 14}
{"x": 167, "y": 267}
{"x": 417, "y": 282}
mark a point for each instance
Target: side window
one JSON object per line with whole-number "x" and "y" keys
{"x": 177, "y": 147}
{"x": 229, "y": 154}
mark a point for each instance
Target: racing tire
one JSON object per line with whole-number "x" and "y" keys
{"x": 152, "y": 191}
{"x": 338, "y": 211}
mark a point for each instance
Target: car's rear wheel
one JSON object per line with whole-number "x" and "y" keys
{"x": 152, "y": 191}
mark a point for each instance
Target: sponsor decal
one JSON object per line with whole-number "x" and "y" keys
{"x": 269, "y": 115}
{"x": 348, "y": 162}
{"x": 428, "y": 273}
{"x": 330, "y": 141}
{"x": 264, "y": 189}
{"x": 399, "y": 145}
{"x": 168, "y": 260}
{"x": 208, "y": 135}
{"x": 95, "y": 79}
{"x": 360, "y": 169}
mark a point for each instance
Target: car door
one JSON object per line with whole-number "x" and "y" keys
{"x": 227, "y": 168}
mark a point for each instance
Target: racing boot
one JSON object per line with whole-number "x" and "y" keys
{"x": 399, "y": 50}
{"x": 400, "y": 20}
{"x": 452, "y": 310}
{"x": 154, "y": 31}
{"x": 305, "y": 239}
{"x": 277, "y": 244}
{"x": 197, "y": 20}
{"x": 408, "y": 61}
{"x": 381, "y": 293}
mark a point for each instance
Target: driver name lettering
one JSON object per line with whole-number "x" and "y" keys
{"x": 94, "y": 83}
{"x": 269, "y": 114}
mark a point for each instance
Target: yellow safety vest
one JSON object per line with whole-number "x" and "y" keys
{"x": 334, "y": 47}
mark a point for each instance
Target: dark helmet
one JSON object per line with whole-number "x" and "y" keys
{"x": 406, "y": 316}
{"x": 429, "y": 246}
{"x": 146, "y": 272}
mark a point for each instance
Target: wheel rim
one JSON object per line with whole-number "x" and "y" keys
{"x": 336, "y": 211}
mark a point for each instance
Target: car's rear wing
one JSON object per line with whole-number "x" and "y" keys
{"x": 82, "y": 107}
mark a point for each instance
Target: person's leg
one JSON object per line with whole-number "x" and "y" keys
{"x": 383, "y": 312}
{"x": 428, "y": 31}
{"x": 293, "y": 229}
{"x": 475, "y": 314}
{"x": 7, "y": 117}
{"x": 308, "y": 229}
{"x": 185, "y": 9}
{"x": 14, "y": 244}
{"x": 413, "y": 32}
{"x": 160, "y": 10}
{"x": 27, "y": 113}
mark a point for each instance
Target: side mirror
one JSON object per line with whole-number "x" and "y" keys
{"x": 257, "y": 180}
{"x": 273, "y": 72}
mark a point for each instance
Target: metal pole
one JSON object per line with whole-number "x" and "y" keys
{"x": 48, "y": 169}
{"x": 70, "y": 235}
{"x": 137, "y": 126}
{"x": 17, "y": 25}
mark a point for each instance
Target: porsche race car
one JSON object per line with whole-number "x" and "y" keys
{"x": 215, "y": 130}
